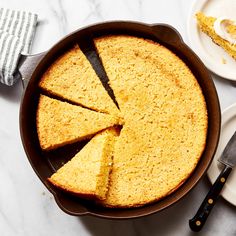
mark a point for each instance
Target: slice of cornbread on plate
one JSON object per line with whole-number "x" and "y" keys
{"x": 87, "y": 173}
{"x": 60, "y": 123}
{"x": 206, "y": 24}
{"x": 72, "y": 78}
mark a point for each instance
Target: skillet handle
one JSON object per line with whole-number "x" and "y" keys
{"x": 27, "y": 65}
{"x": 70, "y": 205}
{"x": 167, "y": 33}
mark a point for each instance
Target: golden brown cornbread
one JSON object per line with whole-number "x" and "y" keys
{"x": 163, "y": 136}
{"x": 87, "y": 173}
{"x": 71, "y": 77}
{"x": 165, "y": 117}
{"x": 60, "y": 123}
{"x": 206, "y": 24}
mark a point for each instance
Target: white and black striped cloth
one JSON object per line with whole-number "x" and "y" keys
{"x": 16, "y": 34}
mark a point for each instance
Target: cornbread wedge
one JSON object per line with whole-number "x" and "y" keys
{"x": 60, "y": 123}
{"x": 71, "y": 77}
{"x": 87, "y": 173}
{"x": 165, "y": 117}
{"x": 206, "y": 24}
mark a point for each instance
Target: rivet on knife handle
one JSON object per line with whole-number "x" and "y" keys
{"x": 198, "y": 221}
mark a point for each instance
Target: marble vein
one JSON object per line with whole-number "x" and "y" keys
{"x": 95, "y": 10}
{"x": 58, "y": 12}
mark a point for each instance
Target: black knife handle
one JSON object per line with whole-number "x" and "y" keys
{"x": 198, "y": 221}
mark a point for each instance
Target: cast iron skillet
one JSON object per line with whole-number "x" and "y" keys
{"x": 44, "y": 164}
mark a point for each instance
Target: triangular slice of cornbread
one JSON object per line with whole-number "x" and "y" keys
{"x": 60, "y": 123}
{"x": 206, "y": 24}
{"x": 87, "y": 173}
{"x": 71, "y": 77}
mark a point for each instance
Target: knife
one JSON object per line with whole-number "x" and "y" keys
{"x": 228, "y": 159}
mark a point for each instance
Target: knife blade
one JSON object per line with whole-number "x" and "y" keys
{"x": 228, "y": 159}
{"x": 228, "y": 156}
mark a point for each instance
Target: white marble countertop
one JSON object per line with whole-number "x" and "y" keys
{"x": 26, "y": 207}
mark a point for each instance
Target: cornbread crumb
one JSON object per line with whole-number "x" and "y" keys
{"x": 87, "y": 173}
{"x": 206, "y": 24}
{"x": 60, "y": 123}
{"x": 72, "y": 78}
{"x": 223, "y": 61}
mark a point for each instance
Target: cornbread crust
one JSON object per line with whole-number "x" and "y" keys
{"x": 72, "y": 78}
{"x": 60, "y": 123}
{"x": 206, "y": 24}
{"x": 87, "y": 173}
{"x": 165, "y": 117}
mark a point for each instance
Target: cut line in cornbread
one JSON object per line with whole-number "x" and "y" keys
{"x": 72, "y": 78}
{"x": 87, "y": 173}
{"x": 60, "y": 123}
{"x": 206, "y": 24}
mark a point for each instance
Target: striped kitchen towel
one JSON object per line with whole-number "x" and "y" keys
{"x": 16, "y": 34}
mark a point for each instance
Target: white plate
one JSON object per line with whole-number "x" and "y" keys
{"x": 211, "y": 54}
{"x": 228, "y": 128}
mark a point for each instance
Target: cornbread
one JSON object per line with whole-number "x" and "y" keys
{"x": 60, "y": 123}
{"x": 87, "y": 173}
{"x": 206, "y": 24}
{"x": 164, "y": 124}
{"x": 72, "y": 78}
{"x": 165, "y": 117}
